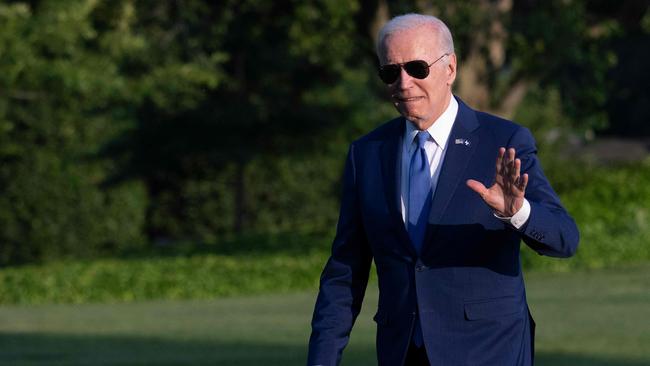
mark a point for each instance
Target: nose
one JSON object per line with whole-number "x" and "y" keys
{"x": 404, "y": 80}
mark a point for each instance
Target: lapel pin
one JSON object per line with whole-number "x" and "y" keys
{"x": 462, "y": 142}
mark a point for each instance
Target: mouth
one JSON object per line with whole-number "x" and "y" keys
{"x": 406, "y": 99}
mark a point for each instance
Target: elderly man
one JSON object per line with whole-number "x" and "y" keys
{"x": 421, "y": 196}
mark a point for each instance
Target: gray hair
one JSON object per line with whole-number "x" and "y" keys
{"x": 412, "y": 21}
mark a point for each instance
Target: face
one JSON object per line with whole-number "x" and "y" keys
{"x": 421, "y": 101}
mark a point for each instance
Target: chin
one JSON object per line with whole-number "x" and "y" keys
{"x": 421, "y": 125}
{"x": 419, "y": 121}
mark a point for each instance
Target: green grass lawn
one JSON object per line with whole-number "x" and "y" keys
{"x": 594, "y": 318}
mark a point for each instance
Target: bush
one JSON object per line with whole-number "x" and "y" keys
{"x": 51, "y": 211}
{"x": 611, "y": 206}
{"x": 253, "y": 265}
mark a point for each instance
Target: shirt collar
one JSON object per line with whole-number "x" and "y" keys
{"x": 439, "y": 130}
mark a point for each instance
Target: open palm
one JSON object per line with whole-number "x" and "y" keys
{"x": 506, "y": 195}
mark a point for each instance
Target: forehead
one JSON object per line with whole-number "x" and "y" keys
{"x": 412, "y": 44}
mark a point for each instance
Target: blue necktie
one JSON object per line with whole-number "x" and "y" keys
{"x": 420, "y": 194}
{"x": 420, "y": 197}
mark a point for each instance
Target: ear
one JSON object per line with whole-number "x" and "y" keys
{"x": 451, "y": 69}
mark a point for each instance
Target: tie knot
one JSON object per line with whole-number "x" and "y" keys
{"x": 421, "y": 138}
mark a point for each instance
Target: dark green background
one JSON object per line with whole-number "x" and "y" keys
{"x": 128, "y": 125}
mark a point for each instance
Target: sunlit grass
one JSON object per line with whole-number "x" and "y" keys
{"x": 593, "y": 318}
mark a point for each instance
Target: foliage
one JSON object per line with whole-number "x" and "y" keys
{"x": 56, "y": 90}
{"x": 130, "y": 123}
{"x": 613, "y": 223}
{"x": 541, "y": 112}
{"x": 102, "y": 94}
{"x": 611, "y": 208}
{"x": 565, "y": 55}
{"x": 251, "y": 265}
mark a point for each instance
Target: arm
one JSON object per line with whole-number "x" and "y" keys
{"x": 344, "y": 279}
{"x": 549, "y": 229}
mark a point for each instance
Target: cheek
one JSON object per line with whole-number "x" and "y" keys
{"x": 393, "y": 89}
{"x": 434, "y": 88}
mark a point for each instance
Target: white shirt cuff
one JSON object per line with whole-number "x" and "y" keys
{"x": 519, "y": 218}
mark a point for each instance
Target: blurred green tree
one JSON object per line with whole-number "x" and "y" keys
{"x": 61, "y": 97}
{"x": 128, "y": 120}
{"x": 267, "y": 83}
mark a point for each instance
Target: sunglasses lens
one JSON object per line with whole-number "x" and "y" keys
{"x": 389, "y": 73}
{"x": 418, "y": 69}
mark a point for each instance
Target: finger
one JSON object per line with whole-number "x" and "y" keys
{"x": 477, "y": 187}
{"x": 524, "y": 182}
{"x": 510, "y": 163}
{"x": 499, "y": 164}
{"x": 511, "y": 160}
{"x": 511, "y": 154}
{"x": 514, "y": 174}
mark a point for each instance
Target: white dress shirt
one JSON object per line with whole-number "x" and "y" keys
{"x": 436, "y": 147}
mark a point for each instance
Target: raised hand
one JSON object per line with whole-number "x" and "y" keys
{"x": 506, "y": 196}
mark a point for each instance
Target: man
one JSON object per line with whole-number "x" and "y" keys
{"x": 421, "y": 196}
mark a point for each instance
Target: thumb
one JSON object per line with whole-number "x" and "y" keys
{"x": 476, "y": 186}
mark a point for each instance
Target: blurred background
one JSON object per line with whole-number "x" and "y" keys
{"x": 170, "y": 170}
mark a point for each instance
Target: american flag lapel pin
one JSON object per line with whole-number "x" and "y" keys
{"x": 462, "y": 142}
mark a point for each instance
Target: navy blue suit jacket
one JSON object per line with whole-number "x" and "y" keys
{"x": 466, "y": 286}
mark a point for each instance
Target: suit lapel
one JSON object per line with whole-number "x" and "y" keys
{"x": 463, "y": 141}
{"x": 390, "y": 155}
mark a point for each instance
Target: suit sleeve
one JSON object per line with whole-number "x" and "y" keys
{"x": 344, "y": 278}
{"x": 549, "y": 229}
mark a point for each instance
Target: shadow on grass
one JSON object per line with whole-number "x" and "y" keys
{"x": 569, "y": 359}
{"x": 71, "y": 350}
{"x": 55, "y": 349}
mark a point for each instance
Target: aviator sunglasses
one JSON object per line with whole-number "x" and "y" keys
{"x": 418, "y": 69}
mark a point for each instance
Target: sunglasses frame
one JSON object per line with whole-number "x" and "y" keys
{"x": 406, "y": 66}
